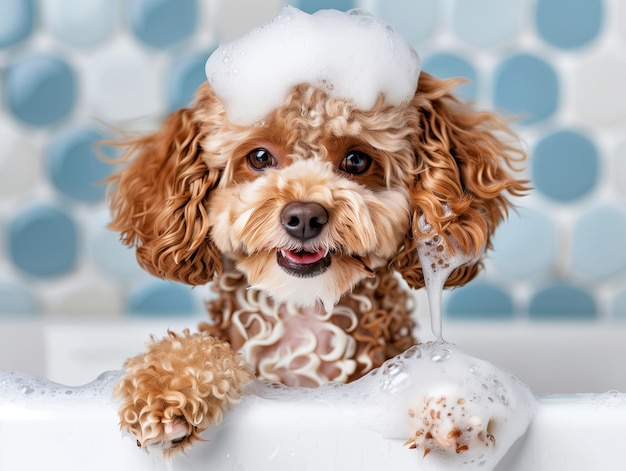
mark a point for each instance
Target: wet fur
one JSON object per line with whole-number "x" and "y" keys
{"x": 197, "y": 213}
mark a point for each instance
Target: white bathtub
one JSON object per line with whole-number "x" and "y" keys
{"x": 77, "y": 429}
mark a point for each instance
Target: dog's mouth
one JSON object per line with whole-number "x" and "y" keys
{"x": 303, "y": 263}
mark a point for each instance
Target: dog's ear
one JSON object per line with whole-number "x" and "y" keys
{"x": 159, "y": 199}
{"x": 465, "y": 158}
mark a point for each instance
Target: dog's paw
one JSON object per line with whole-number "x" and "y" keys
{"x": 179, "y": 387}
{"x": 446, "y": 426}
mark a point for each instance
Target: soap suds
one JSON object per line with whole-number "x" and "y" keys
{"x": 351, "y": 55}
{"x": 19, "y": 386}
{"x": 438, "y": 261}
{"x": 452, "y": 408}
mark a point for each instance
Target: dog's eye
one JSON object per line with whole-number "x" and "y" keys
{"x": 260, "y": 159}
{"x": 355, "y": 163}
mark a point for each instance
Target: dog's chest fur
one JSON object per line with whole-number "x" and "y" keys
{"x": 307, "y": 346}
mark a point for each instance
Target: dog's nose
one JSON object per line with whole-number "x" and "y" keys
{"x": 304, "y": 220}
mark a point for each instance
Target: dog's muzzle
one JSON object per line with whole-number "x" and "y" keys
{"x": 304, "y": 221}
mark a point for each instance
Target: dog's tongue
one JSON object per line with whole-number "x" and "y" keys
{"x": 304, "y": 257}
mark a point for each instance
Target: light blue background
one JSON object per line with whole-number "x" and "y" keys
{"x": 72, "y": 71}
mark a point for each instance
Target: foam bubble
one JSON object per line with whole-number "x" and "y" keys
{"x": 18, "y": 386}
{"x": 608, "y": 399}
{"x": 351, "y": 55}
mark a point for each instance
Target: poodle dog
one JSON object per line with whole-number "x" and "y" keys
{"x": 301, "y": 222}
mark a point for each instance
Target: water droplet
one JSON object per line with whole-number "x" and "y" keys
{"x": 108, "y": 375}
{"x": 413, "y": 352}
{"x": 395, "y": 378}
{"x": 26, "y": 389}
{"x": 441, "y": 354}
{"x": 475, "y": 369}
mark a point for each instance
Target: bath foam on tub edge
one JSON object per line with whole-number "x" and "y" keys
{"x": 455, "y": 411}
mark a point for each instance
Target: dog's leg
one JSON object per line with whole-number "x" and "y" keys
{"x": 180, "y": 386}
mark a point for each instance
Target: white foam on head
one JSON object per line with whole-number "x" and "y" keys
{"x": 351, "y": 55}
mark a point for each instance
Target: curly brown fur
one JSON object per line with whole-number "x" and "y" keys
{"x": 181, "y": 385}
{"x": 159, "y": 200}
{"x": 463, "y": 156}
{"x": 199, "y": 209}
{"x": 376, "y": 314}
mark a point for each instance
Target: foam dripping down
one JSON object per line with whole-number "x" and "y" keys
{"x": 438, "y": 262}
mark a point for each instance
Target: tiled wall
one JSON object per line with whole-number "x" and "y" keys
{"x": 73, "y": 69}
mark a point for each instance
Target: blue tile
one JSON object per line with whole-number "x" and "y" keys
{"x": 598, "y": 249}
{"x": 42, "y": 241}
{"x": 446, "y": 65}
{"x": 526, "y": 87}
{"x": 311, "y": 6}
{"x": 569, "y": 24}
{"x": 161, "y": 298}
{"x": 75, "y": 166}
{"x": 185, "y": 76}
{"x": 80, "y": 23}
{"x": 414, "y": 20}
{"x": 40, "y": 89}
{"x": 564, "y": 302}
{"x": 162, "y": 23}
{"x": 479, "y": 301}
{"x": 108, "y": 253}
{"x": 565, "y": 166}
{"x": 16, "y": 299}
{"x": 16, "y": 21}
{"x": 525, "y": 245}
{"x": 486, "y": 23}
